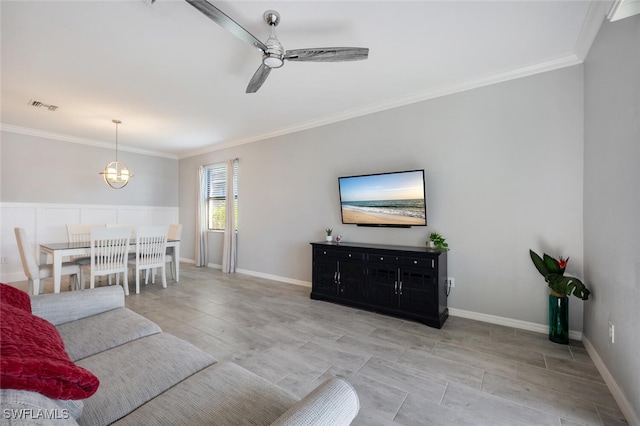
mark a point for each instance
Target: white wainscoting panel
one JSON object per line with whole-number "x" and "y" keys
{"x": 51, "y": 222}
{"x": 46, "y": 223}
{"x": 91, "y": 215}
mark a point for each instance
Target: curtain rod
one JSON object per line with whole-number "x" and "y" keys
{"x": 218, "y": 162}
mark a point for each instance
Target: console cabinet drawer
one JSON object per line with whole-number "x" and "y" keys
{"x": 339, "y": 254}
{"x": 383, "y": 259}
{"x": 417, "y": 262}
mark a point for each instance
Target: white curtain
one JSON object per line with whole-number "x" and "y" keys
{"x": 229, "y": 250}
{"x": 202, "y": 254}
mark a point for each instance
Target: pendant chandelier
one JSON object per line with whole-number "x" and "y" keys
{"x": 116, "y": 174}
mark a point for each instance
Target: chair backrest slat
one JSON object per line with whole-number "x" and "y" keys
{"x": 109, "y": 250}
{"x": 151, "y": 243}
{"x": 81, "y": 232}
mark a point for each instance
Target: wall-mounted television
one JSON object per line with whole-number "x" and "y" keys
{"x": 396, "y": 199}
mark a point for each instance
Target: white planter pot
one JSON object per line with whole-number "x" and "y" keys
{"x": 329, "y": 238}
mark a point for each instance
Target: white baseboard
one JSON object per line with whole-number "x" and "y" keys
{"x": 12, "y": 277}
{"x": 265, "y": 276}
{"x": 625, "y": 406}
{"x": 509, "y": 322}
{"x": 274, "y": 277}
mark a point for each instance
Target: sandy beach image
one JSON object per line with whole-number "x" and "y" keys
{"x": 384, "y": 199}
{"x": 354, "y": 215}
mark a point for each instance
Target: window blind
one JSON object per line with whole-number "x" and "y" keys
{"x": 216, "y": 195}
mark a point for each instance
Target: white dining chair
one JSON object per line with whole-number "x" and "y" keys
{"x": 151, "y": 247}
{"x": 124, "y": 225}
{"x": 80, "y": 233}
{"x": 35, "y": 272}
{"x": 109, "y": 254}
{"x": 175, "y": 232}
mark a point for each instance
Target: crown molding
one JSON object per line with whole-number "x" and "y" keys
{"x": 592, "y": 24}
{"x": 590, "y": 27}
{"x": 421, "y": 96}
{"x": 621, "y": 9}
{"x": 82, "y": 141}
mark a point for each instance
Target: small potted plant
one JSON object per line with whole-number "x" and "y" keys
{"x": 329, "y": 231}
{"x": 438, "y": 242}
{"x": 561, "y": 286}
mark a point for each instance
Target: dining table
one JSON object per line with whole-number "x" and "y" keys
{"x": 58, "y": 251}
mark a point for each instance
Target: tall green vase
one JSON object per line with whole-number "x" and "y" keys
{"x": 559, "y": 318}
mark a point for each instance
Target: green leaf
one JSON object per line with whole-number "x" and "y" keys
{"x": 557, "y": 283}
{"x": 552, "y": 265}
{"x": 568, "y": 285}
{"x": 538, "y": 263}
{"x": 580, "y": 290}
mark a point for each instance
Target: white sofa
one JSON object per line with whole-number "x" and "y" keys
{"x": 150, "y": 377}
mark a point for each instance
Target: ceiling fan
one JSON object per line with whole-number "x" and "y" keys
{"x": 273, "y": 54}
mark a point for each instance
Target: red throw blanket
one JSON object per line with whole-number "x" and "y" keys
{"x": 32, "y": 354}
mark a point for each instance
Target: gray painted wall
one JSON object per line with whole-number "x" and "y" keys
{"x": 39, "y": 170}
{"x": 504, "y": 174}
{"x": 612, "y": 200}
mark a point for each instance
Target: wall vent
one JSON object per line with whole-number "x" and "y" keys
{"x": 39, "y": 104}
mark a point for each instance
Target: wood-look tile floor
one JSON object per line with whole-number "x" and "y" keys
{"x": 405, "y": 373}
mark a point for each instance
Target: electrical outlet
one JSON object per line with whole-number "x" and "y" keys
{"x": 612, "y": 332}
{"x": 3, "y": 259}
{"x": 452, "y": 282}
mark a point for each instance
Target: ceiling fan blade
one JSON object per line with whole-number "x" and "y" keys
{"x": 328, "y": 54}
{"x": 219, "y": 17}
{"x": 258, "y": 78}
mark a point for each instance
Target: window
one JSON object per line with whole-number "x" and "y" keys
{"x": 216, "y": 195}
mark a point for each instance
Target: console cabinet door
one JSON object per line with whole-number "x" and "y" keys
{"x": 325, "y": 276}
{"x": 351, "y": 280}
{"x": 418, "y": 291}
{"x": 383, "y": 281}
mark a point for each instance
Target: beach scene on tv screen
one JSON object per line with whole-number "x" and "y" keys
{"x": 386, "y": 199}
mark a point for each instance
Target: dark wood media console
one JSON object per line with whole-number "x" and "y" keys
{"x": 408, "y": 282}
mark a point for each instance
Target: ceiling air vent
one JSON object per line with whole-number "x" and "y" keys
{"x": 39, "y": 104}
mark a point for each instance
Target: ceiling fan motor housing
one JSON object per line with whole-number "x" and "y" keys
{"x": 274, "y": 56}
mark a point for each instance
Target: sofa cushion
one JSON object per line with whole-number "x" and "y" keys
{"x": 97, "y": 333}
{"x": 134, "y": 373}
{"x": 15, "y": 297}
{"x": 18, "y": 406}
{"x": 224, "y": 394}
{"x": 32, "y": 357}
{"x": 59, "y": 308}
